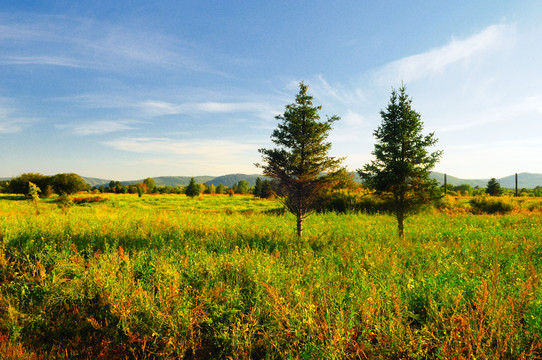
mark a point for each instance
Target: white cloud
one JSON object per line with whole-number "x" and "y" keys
{"x": 209, "y": 157}
{"x": 435, "y": 61}
{"x": 40, "y": 60}
{"x": 352, "y": 119}
{"x": 11, "y": 126}
{"x": 518, "y": 111}
{"x": 10, "y": 122}
{"x": 158, "y": 108}
{"x": 203, "y": 148}
{"x": 98, "y": 127}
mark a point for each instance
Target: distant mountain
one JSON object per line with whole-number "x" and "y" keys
{"x": 455, "y": 181}
{"x": 172, "y": 180}
{"x": 226, "y": 180}
{"x": 526, "y": 180}
{"x": 232, "y": 179}
{"x": 95, "y": 181}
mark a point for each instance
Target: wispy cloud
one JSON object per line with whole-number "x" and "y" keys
{"x": 12, "y": 125}
{"x": 98, "y": 127}
{"x": 40, "y": 60}
{"x": 517, "y": 111}
{"x": 203, "y": 148}
{"x": 157, "y": 108}
{"x": 10, "y": 121}
{"x": 435, "y": 61}
{"x": 84, "y": 43}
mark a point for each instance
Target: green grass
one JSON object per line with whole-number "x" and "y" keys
{"x": 225, "y": 277}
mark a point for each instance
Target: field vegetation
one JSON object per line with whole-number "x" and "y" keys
{"x": 216, "y": 276}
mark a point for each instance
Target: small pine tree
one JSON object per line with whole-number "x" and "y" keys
{"x": 493, "y": 188}
{"x": 267, "y": 189}
{"x": 192, "y": 189}
{"x": 257, "y": 191}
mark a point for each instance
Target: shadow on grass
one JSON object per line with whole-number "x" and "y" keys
{"x": 13, "y": 197}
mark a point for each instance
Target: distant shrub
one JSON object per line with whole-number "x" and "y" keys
{"x": 491, "y": 205}
{"x": 89, "y": 200}
{"x": 446, "y": 203}
{"x": 535, "y": 205}
{"x": 344, "y": 202}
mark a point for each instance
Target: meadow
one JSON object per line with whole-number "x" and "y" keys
{"x": 168, "y": 277}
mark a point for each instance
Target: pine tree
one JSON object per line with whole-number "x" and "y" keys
{"x": 257, "y": 191}
{"x": 301, "y": 163}
{"x": 402, "y": 165}
{"x": 267, "y": 189}
{"x": 192, "y": 189}
{"x": 493, "y": 188}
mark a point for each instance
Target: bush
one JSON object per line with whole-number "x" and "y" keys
{"x": 344, "y": 202}
{"x": 488, "y": 205}
{"x": 446, "y": 203}
{"x": 535, "y": 205}
{"x": 89, "y": 200}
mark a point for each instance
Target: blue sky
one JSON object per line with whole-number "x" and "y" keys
{"x": 130, "y": 89}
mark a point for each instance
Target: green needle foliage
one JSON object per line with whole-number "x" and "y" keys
{"x": 192, "y": 189}
{"x": 493, "y": 188}
{"x": 301, "y": 163}
{"x": 402, "y": 162}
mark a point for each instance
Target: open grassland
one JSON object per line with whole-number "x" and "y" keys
{"x": 225, "y": 277}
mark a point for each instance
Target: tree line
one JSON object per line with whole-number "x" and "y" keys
{"x": 61, "y": 184}
{"x": 492, "y": 188}
{"x": 67, "y": 184}
{"x": 148, "y": 186}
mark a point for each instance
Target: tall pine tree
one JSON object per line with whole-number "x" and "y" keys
{"x": 402, "y": 165}
{"x": 301, "y": 163}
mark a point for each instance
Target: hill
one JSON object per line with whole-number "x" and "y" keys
{"x": 173, "y": 180}
{"x": 232, "y": 179}
{"x": 455, "y": 181}
{"x": 95, "y": 181}
{"x": 226, "y": 180}
{"x": 526, "y": 180}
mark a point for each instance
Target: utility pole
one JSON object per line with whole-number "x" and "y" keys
{"x": 516, "y": 184}
{"x": 445, "y": 185}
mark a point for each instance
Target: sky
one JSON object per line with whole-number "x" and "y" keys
{"x": 125, "y": 90}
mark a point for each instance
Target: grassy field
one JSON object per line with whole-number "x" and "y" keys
{"x": 225, "y": 277}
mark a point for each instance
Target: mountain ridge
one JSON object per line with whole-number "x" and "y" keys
{"x": 525, "y": 180}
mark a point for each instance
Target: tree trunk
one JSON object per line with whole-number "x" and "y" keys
{"x": 299, "y": 225}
